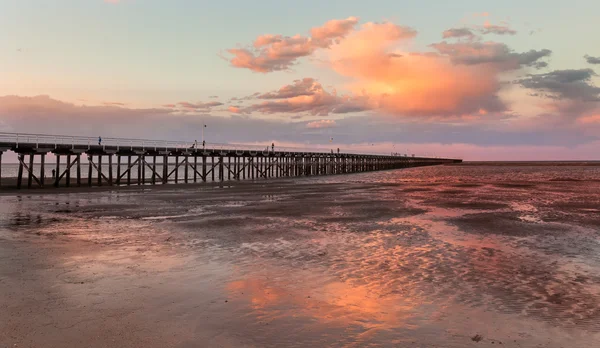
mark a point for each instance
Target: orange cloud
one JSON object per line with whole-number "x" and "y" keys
{"x": 307, "y": 96}
{"x": 277, "y": 52}
{"x": 412, "y": 84}
{"x": 234, "y": 109}
{"x": 321, "y": 124}
{"x": 489, "y": 28}
{"x": 592, "y": 119}
{"x": 459, "y": 78}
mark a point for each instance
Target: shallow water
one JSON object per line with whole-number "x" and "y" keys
{"x": 448, "y": 256}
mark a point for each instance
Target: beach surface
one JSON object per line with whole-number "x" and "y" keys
{"x": 447, "y": 256}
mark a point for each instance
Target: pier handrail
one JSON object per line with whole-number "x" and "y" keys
{"x": 54, "y": 141}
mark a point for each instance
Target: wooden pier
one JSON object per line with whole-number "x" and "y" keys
{"x": 116, "y": 161}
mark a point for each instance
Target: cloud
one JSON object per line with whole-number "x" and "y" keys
{"x": 321, "y": 124}
{"x": 199, "y": 105}
{"x": 573, "y": 84}
{"x": 332, "y": 31}
{"x": 113, "y": 104}
{"x": 458, "y": 80}
{"x": 457, "y": 33}
{"x": 235, "y": 109}
{"x": 306, "y": 96}
{"x": 277, "y": 52}
{"x": 592, "y": 60}
{"x": 112, "y": 1}
{"x": 405, "y": 83}
{"x": 591, "y": 119}
{"x": 489, "y": 28}
{"x": 498, "y": 55}
{"x": 214, "y": 97}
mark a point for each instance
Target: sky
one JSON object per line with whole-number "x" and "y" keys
{"x": 479, "y": 80}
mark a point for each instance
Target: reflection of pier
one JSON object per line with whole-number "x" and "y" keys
{"x": 179, "y": 162}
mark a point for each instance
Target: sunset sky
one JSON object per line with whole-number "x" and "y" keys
{"x": 495, "y": 80}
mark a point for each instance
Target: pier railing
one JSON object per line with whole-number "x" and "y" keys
{"x": 124, "y": 143}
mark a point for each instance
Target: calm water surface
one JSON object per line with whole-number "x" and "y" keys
{"x": 450, "y": 256}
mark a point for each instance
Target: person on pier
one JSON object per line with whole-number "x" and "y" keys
{"x": 99, "y": 141}
{"x": 273, "y": 147}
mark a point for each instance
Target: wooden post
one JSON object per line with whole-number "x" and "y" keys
{"x": 204, "y": 168}
{"x": 221, "y": 173}
{"x": 30, "y": 172}
{"x": 90, "y": 177}
{"x": 243, "y": 168}
{"x": 99, "y": 170}
{"x": 176, "y": 168}
{"x": 20, "y": 173}
{"x": 57, "y": 175}
{"x": 229, "y": 168}
{"x": 140, "y": 176}
{"x": 42, "y": 164}
{"x": 185, "y": 171}
{"x": 234, "y": 168}
{"x": 78, "y": 170}
{"x": 195, "y": 168}
{"x": 1, "y": 153}
{"x": 212, "y": 164}
{"x": 110, "y": 170}
{"x": 68, "y": 175}
{"x": 118, "y": 169}
{"x": 165, "y": 168}
{"x": 128, "y": 170}
{"x": 250, "y": 163}
{"x": 154, "y": 170}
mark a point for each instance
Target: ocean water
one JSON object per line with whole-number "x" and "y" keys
{"x": 446, "y": 256}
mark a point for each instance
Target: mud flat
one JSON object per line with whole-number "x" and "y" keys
{"x": 472, "y": 256}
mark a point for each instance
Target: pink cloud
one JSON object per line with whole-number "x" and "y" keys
{"x": 112, "y": 1}
{"x": 460, "y": 79}
{"x": 489, "y": 28}
{"x": 113, "y": 104}
{"x": 307, "y": 96}
{"x": 199, "y": 105}
{"x": 235, "y": 109}
{"x": 408, "y": 83}
{"x": 591, "y": 119}
{"x": 277, "y": 52}
{"x": 321, "y": 124}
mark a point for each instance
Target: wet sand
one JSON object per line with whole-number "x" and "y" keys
{"x": 448, "y": 256}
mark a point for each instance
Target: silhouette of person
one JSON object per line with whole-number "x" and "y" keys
{"x": 273, "y": 147}
{"x": 99, "y": 140}
{"x": 203, "y": 143}
{"x": 338, "y": 150}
